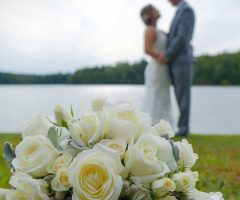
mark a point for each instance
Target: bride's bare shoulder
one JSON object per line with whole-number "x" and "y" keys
{"x": 150, "y": 30}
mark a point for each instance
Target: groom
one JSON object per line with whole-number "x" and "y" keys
{"x": 179, "y": 57}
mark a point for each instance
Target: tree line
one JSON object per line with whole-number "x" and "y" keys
{"x": 222, "y": 69}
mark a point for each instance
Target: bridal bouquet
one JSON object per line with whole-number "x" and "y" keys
{"x": 110, "y": 153}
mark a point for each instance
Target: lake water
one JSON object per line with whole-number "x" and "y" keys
{"x": 215, "y": 110}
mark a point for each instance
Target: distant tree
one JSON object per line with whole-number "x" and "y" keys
{"x": 223, "y": 69}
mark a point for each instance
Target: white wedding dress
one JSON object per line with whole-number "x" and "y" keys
{"x": 157, "y": 100}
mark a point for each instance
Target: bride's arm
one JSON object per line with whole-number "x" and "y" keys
{"x": 150, "y": 38}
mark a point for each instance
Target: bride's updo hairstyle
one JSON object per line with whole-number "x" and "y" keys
{"x": 146, "y": 14}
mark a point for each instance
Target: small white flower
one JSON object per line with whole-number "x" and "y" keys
{"x": 63, "y": 117}
{"x": 198, "y": 195}
{"x": 64, "y": 138}
{"x": 27, "y": 188}
{"x": 187, "y": 156}
{"x": 87, "y": 131}
{"x": 119, "y": 145}
{"x": 161, "y": 187}
{"x": 61, "y": 180}
{"x": 216, "y": 195}
{"x": 98, "y": 104}
{"x": 62, "y": 161}
{"x": 168, "y": 197}
{"x": 185, "y": 181}
{"x": 163, "y": 128}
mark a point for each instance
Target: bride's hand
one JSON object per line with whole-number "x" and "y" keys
{"x": 161, "y": 59}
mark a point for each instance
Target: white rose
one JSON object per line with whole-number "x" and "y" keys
{"x": 34, "y": 155}
{"x": 98, "y": 104}
{"x": 94, "y": 174}
{"x": 63, "y": 117}
{"x": 19, "y": 195}
{"x": 163, "y": 186}
{"x": 118, "y": 144}
{"x": 149, "y": 158}
{"x": 60, "y": 196}
{"x": 198, "y": 195}
{"x": 163, "y": 128}
{"x": 185, "y": 181}
{"x": 62, "y": 161}
{"x": 61, "y": 180}
{"x": 36, "y": 189}
{"x": 87, "y": 131}
{"x": 122, "y": 121}
{"x": 168, "y": 197}
{"x": 216, "y": 195}
{"x": 187, "y": 156}
{"x": 39, "y": 125}
{"x": 3, "y": 193}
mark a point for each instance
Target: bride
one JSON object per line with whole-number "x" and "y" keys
{"x": 157, "y": 81}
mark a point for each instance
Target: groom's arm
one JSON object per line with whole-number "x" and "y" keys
{"x": 184, "y": 34}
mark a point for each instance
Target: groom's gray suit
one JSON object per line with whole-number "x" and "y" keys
{"x": 180, "y": 60}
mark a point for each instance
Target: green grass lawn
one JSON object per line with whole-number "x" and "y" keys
{"x": 218, "y": 164}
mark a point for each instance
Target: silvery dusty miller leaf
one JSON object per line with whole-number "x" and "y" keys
{"x": 49, "y": 177}
{"x": 53, "y": 136}
{"x": 166, "y": 136}
{"x": 175, "y": 151}
{"x": 9, "y": 152}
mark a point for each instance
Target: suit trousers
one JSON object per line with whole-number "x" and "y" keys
{"x": 182, "y": 76}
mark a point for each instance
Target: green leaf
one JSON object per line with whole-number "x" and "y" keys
{"x": 54, "y": 123}
{"x": 64, "y": 124}
{"x": 72, "y": 113}
{"x": 9, "y": 152}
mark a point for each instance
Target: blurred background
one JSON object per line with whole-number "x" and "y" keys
{"x": 69, "y": 52}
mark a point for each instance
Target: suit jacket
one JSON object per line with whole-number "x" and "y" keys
{"x": 179, "y": 49}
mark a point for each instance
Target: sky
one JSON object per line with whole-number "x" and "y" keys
{"x": 51, "y": 36}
